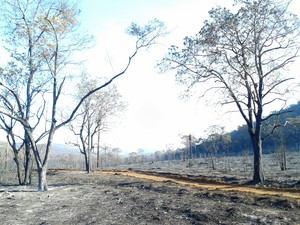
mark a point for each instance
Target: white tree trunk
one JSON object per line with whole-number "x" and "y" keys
{"x": 42, "y": 179}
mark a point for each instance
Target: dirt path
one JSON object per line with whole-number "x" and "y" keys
{"x": 292, "y": 194}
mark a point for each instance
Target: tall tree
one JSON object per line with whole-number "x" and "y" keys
{"x": 42, "y": 36}
{"x": 243, "y": 56}
{"x": 40, "y": 40}
{"x": 189, "y": 142}
{"x": 94, "y": 117}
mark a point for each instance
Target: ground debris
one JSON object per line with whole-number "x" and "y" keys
{"x": 107, "y": 198}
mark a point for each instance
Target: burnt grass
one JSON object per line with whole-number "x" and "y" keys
{"x": 100, "y": 198}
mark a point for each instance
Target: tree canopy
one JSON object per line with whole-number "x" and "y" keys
{"x": 244, "y": 57}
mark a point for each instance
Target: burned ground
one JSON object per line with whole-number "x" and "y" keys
{"x": 112, "y": 198}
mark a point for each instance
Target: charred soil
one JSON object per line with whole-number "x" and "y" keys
{"x": 113, "y": 198}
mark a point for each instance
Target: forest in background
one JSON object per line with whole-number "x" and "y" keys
{"x": 237, "y": 142}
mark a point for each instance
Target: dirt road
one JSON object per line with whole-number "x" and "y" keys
{"x": 211, "y": 185}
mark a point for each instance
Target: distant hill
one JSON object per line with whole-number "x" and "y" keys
{"x": 58, "y": 149}
{"x": 61, "y": 149}
{"x": 288, "y": 134}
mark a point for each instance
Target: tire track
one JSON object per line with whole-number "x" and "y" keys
{"x": 211, "y": 185}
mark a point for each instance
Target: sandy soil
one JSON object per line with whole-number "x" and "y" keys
{"x": 112, "y": 198}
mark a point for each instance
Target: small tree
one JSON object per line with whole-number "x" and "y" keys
{"x": 188, "y": 141}
{"x": 141, "y": 155}
{"x": 281, "y": 155}
{"x": 93, "y": 117}
{"x": 133, "y": 157}
{"x": 17, "y": 143}
{"x": 243, "y": 57}
{"x": 225, "y": 142}
{"x": 212, "y": 142}
{"x": 280, "y": 149}
{"x": 244, "y": 159}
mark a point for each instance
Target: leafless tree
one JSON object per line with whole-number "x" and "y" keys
{"x": 243, "y": 56}
{"x": 93, "y": 117}
{"x": 280, "y": 150}
{"x": 226, "y": 140}
{"x": 212, "y": 142}
{"x": 17, "y": 144}
{"x": 33, "y": 30}
{"x": 41, "y": 37}
{"x": 133, "y": 157}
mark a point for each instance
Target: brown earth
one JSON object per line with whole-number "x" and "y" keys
{"x": 117, "y": 198}
{"x": 212, "y": 184}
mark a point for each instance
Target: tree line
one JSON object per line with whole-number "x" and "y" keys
{"x": 237, "y": 142}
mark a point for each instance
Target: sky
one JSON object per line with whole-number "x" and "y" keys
{"x": 156, "y": 116}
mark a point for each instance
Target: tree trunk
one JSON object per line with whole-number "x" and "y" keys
{"x": 98, "y": 157}
{"x": 86, "y": 161}
{"x": 282, "y": 155}
{"x": 258, "y": 176}
{"x": 282, "y": 159}
{"x": 98, "y": 150}
{"x": 28, "y": 164}
{"x": 212, "y": 162}
{"x": 89, "y": 160}
{"x": 17, "y": 161}
{"x": 42, "y": 179}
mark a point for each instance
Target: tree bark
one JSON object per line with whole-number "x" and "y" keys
{"x": 86, "y": 161}
{"x": 212, "y": 161}
{"x": 28, "y": 164}
{"x": 258, "y": 176}
{"x": 42, "y": 179}
{"x": 89, "y": 168}
{"x": 98, "y": 150}
{"x": 17, "y": 161}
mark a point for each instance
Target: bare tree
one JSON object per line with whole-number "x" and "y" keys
{"x": 243, "y": 57}
{"x": 133, "y": 157}
{"x": 280, "y": 150}
{"x": 116, "y": 155}
{"x": 189, "y": 145}
{"x": 141, "y": 155}
{"x": 212, "y": 142}
{"x": 93, "y": 117}
{"x": 43, "y": 35}
{"x": 17, "y": 144}
{"x": 226, "y": 140}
